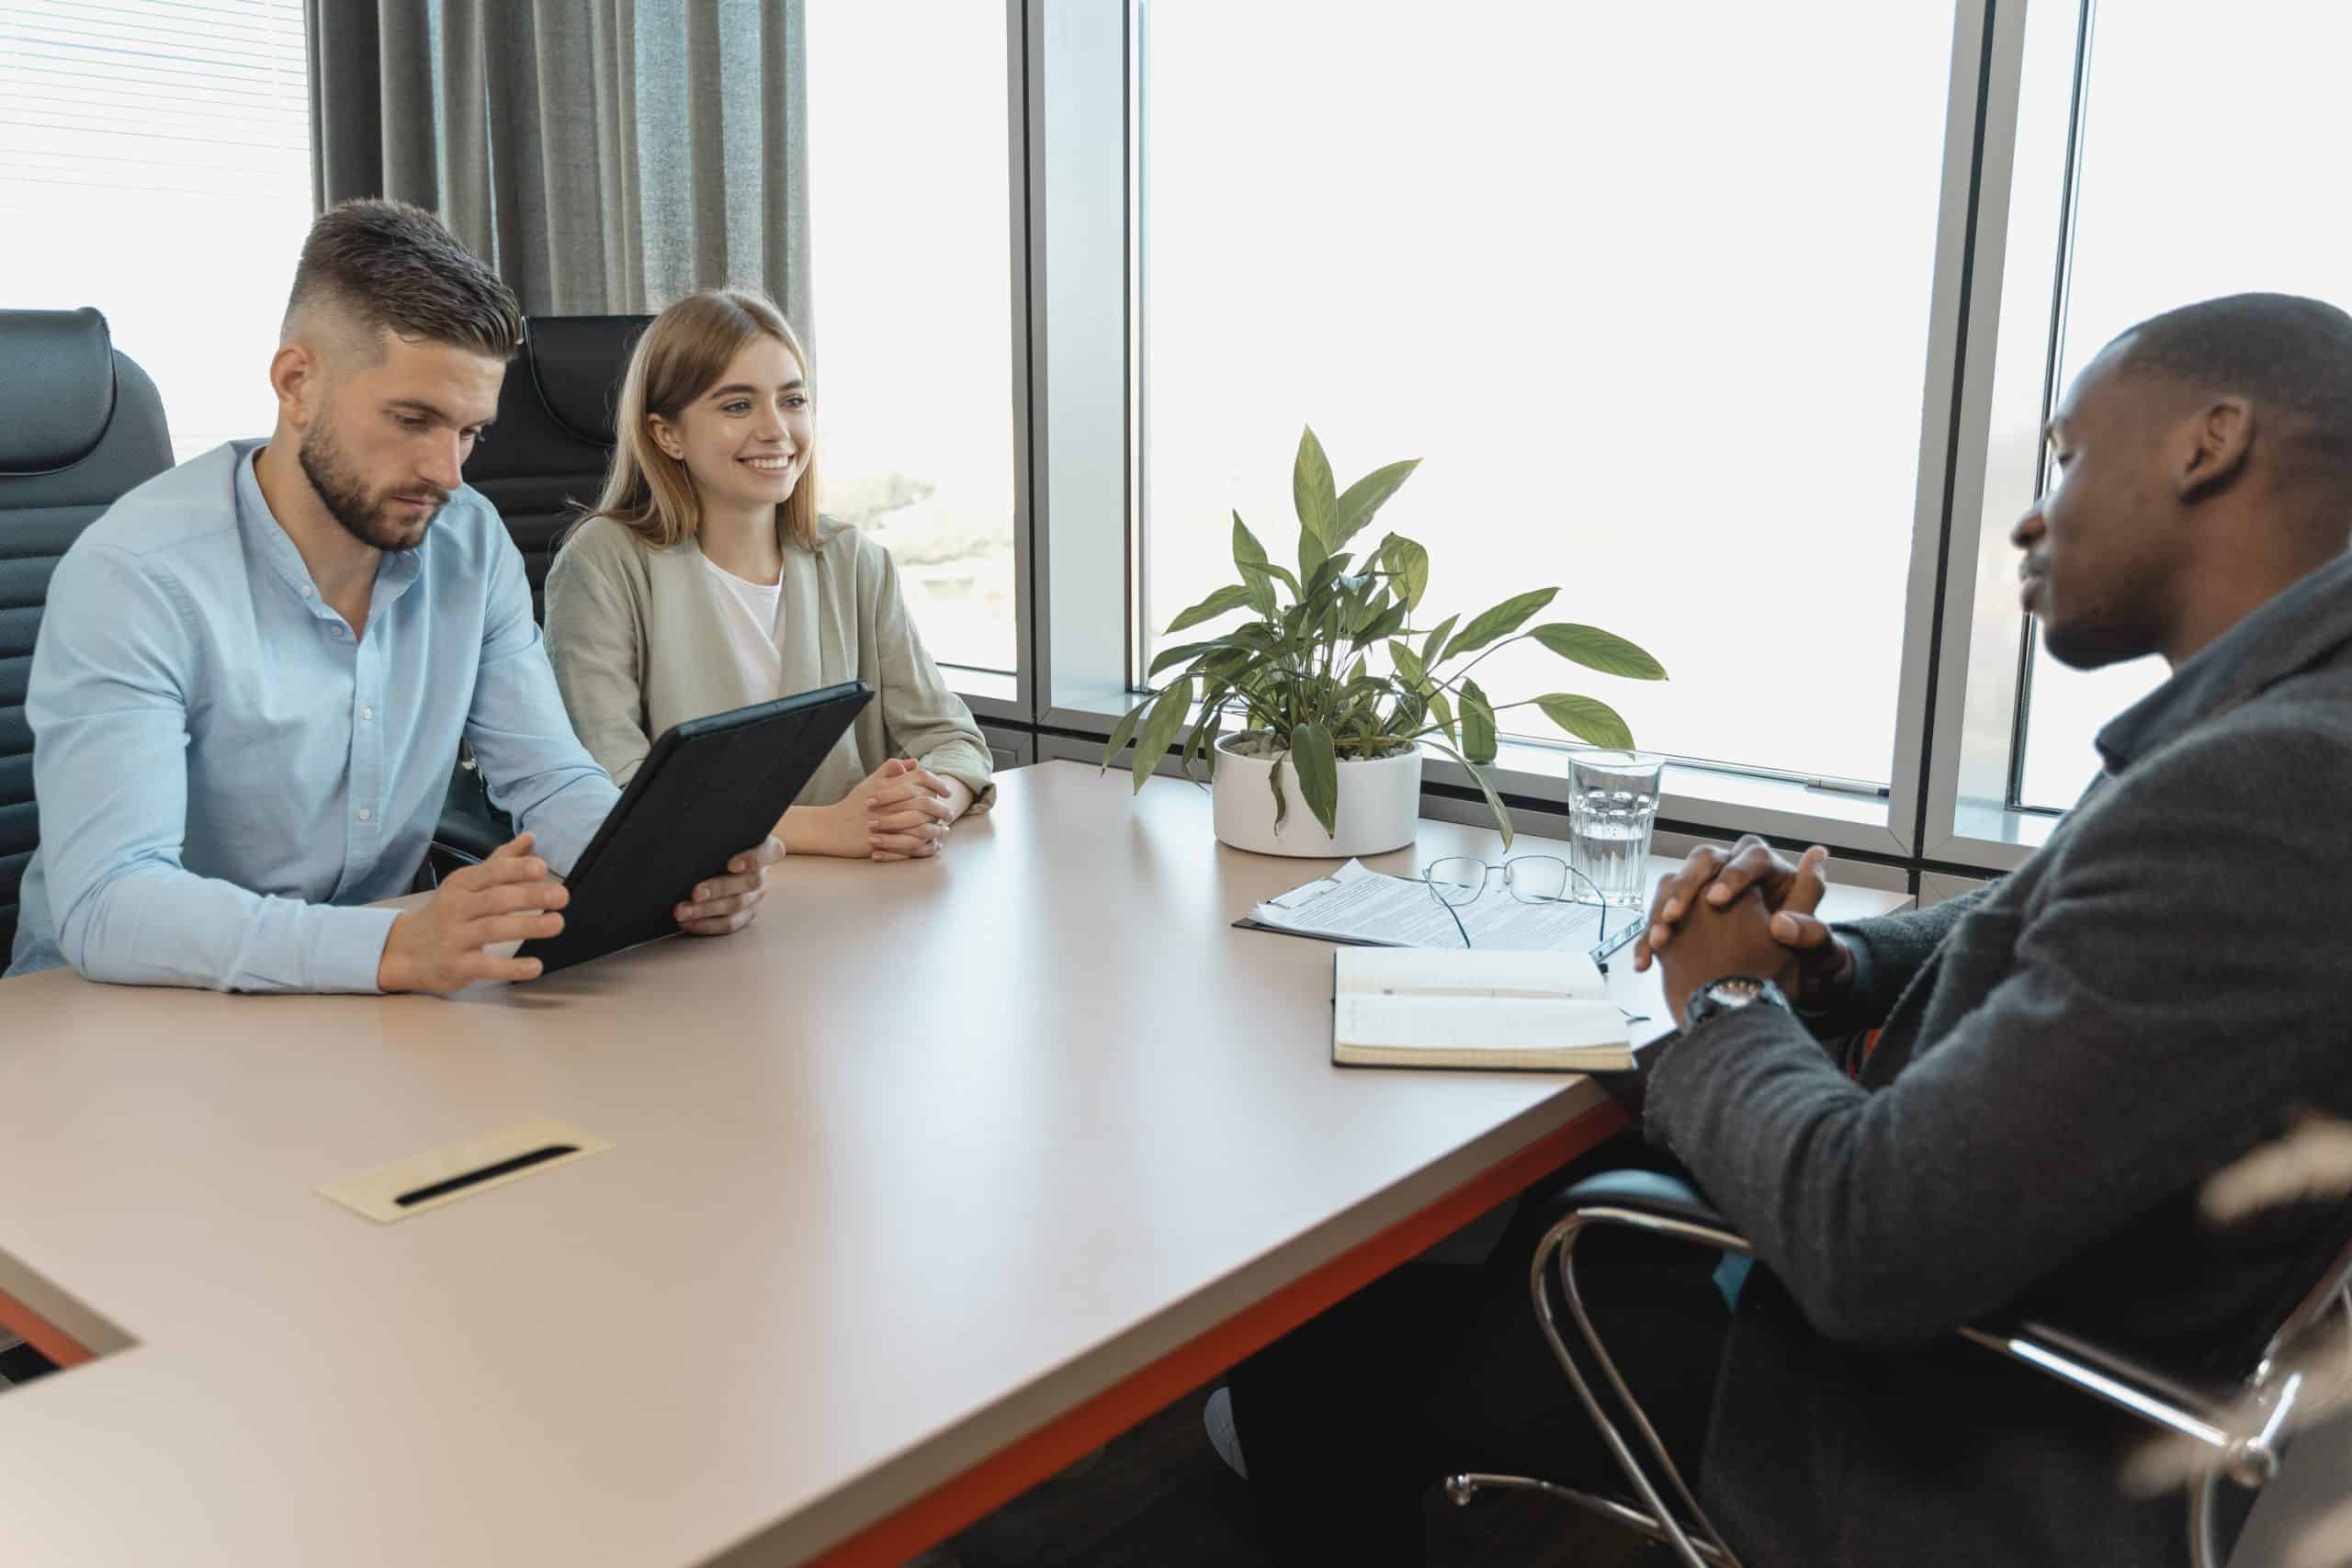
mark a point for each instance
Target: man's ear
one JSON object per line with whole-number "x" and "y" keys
{"x": 2220, "y": 438}
{"x": 300, "y": 381}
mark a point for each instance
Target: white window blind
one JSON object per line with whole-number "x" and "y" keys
{"x": 155, "y": 163}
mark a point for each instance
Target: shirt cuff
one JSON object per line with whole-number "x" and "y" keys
{"x": 347, "y": 948}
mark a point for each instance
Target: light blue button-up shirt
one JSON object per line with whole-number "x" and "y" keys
{"x": 224, "y": 772}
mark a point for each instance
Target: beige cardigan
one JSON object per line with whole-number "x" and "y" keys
{"x": 634, "y": 636}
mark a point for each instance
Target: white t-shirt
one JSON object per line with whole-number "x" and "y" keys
{"x": 749, "y": 611}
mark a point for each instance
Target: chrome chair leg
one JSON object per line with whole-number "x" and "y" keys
{"x": 1462, "y": 1489}
{"x": 1562, "y": 1239}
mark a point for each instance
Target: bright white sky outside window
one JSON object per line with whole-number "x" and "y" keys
{"x": 155, "y": 163}
{"x": 2212, "y": 163}
{"x": 1647, "y": 288}
{"x": 911, "y": 241}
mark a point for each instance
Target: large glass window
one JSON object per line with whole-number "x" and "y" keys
{"x": 1647, "y": 288}
{"x": 155, "y": 163}
{"x": 911, "y": 240}
{"x": 2206, "y": 160}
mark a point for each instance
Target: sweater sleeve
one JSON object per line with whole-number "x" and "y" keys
{"x": 1889, "y": 952}
{"x": 921, "y": 716}
{"x": 595, "y": 637}
{"x": 2146, "y": 1019}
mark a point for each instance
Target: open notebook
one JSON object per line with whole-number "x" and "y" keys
{"x": 1418, "y": 1007}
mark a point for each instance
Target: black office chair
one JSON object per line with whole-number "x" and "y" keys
{"x": 2243, "y": 1425}
{"x": 554, "y": 437}
{"x": 80, "y": 426}
{"x": 549, "y": 451}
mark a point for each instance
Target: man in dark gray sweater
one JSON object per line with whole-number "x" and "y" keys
{"x": 2022, "y": 1088}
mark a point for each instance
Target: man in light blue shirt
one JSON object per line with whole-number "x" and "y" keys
{"x": 255, "y": 669}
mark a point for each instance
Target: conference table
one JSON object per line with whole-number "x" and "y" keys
{"x": 934, "y": 1179}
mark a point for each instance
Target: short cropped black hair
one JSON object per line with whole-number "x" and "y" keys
{"x": 387, "y": 263}
{"x": 2281, "y": 352}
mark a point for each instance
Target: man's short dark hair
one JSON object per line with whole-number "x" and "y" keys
{"x": 2282, "y": 352}
{"x": 387, "y": 263}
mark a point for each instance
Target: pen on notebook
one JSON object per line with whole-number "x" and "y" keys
{"x": 1528, "y": 993}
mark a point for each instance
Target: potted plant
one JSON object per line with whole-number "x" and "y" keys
{"x": 1336, "y": 686}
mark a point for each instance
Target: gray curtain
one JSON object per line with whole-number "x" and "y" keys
{"x": 604, "y": 155}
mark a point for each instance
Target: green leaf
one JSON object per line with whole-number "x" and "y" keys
{"x": 1407, "y": 663}
{"x": 1598, "y": 649}
{"x": 1411, "y": 565}
{"x": 1441, "y": 714}
{"x": 1181, "y": 653}
{"x": 1256, "y": 575}
{"x": 1167, "y": 717}
{"x": 1327, "y": 572}
{"x": 1246, "y": 550}
{"x": 1493, "y": 801}
{"x": 1390, "y": 622}
{"x": 1312, "y": 554}
{"x": 1316, "y": 765}
{"x": 1120, "y": 733}
{"x": 1310, "y": 487}
{"x": 1587, "y": 720}
{"x": 1501, "y": 621}
{"x": 1202, "y": 742}
{"x": 1369, "y": 608}
{"x": 1364, "y": 498}
{"x": 1232, "y": 596}
{"x": 1282, "y": 801}
{"x": 1477, "y": 724}
{"x": 1436, "y": 641}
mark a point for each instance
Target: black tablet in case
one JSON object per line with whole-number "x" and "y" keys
{"x": 710, "y": 788}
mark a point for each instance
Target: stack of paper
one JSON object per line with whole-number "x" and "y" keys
{"x": 1357, "y": 904}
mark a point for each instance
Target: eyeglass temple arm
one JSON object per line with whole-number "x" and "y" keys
{"x": 1443, "y": 905}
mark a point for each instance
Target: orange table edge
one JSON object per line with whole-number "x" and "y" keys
{"x": 40, "y": 1334}
{"x": 1012, "y": 1470}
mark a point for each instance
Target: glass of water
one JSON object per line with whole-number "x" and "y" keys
{"x": 1612, "y": 805}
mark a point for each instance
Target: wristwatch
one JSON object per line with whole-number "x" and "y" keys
{"x": 1729, "y": 995}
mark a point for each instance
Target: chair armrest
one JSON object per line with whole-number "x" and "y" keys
{"x": 470, "y": 828}
{"x": 1644, "y": 1191}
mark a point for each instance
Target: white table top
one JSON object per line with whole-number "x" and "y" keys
{"x": 932, "y": 1153}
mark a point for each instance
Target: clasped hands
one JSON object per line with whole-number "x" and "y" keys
{"x": 899, "y": 811}
{"x": 1745, "y": 910}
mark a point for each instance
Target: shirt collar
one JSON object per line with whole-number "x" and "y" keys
{"x": 2291, "y": 631}
{"x": 395, "y": 570}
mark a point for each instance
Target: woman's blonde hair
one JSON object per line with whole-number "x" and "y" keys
{"x": 681, "y": 356}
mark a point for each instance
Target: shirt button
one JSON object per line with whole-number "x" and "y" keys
{"x": 365, "y": 814}
{"x": 308, "y": 591}
{"x": 367, "y": 713}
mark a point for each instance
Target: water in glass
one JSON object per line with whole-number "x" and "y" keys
{"x": 1612, "y": 805}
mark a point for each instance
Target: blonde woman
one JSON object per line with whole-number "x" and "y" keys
{"x": 704, "y": 581}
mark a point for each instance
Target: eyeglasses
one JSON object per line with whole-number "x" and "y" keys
{"x": 1531, "y": 879}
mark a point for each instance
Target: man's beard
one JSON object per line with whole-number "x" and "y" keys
{"x": 370, "y": 520}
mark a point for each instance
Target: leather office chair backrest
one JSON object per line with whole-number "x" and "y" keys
{"x": 554, "y": 435}
{"x": 80, "y": 424}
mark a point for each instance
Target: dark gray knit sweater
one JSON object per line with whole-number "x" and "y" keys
{"x": 2065, "y": 1055}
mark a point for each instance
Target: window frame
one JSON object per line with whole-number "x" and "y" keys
{"x": 1082, "y": 64}
{"x": 1976, "y": 743}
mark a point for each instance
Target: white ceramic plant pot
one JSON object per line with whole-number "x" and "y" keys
{"x": 1380, "y": 805}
